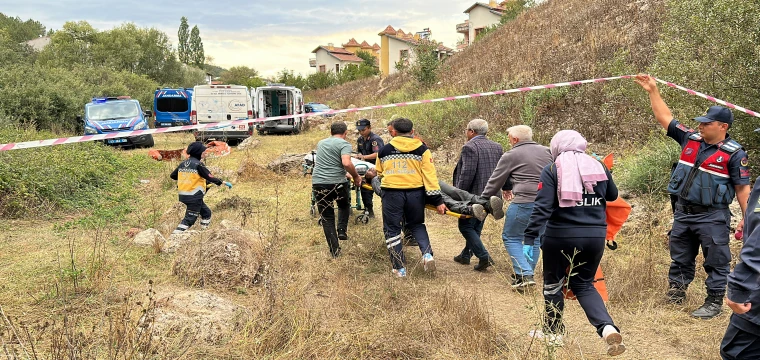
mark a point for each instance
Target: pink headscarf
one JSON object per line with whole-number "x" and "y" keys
{"x": 576, "y": 171}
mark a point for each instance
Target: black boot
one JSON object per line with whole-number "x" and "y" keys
{"x": 676, "y": 294}
{"x": 711, "y": 308}
{"x": 483, "y": 264}
{"x": 462, "y": 260}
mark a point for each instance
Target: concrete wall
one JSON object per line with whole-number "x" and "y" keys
{"x": 394, "y": 53}
{"x": 481, "y": 17}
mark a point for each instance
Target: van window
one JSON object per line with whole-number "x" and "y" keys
{"x": 168, "y": 104}
{"x": 112, "y": 111}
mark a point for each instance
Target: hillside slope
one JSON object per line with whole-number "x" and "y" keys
{"x": 556, "y": 41}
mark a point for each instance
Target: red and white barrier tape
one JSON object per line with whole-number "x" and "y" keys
{"x": 121, "y": 134}
{"x": 708, "y": 97}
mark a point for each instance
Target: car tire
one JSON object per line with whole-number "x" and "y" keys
{"x": 150, "y": 143}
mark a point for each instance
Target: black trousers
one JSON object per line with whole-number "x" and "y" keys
{"x": 367, "y": 199}
{"x": 585, "y": 254}
{"x": 325, "y": 195}
{"x": 194, "y": 209}
{"x": 738, "y": 344}
{"x": 404, "y": 206}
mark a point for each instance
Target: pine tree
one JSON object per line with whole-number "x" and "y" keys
{"x": 196, "y": 56}
{"x": 183, "y": 49}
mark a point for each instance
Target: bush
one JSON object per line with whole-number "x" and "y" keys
{"x": 66, "y": 178}
{"x": 647, "y": 171}
{"x": 51, "y": 98}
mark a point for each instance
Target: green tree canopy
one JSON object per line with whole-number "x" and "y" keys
{"x": 183, "y": 46}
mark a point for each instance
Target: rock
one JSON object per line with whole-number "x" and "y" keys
{"x": 249, "y": 143}
{"x": 149, "y": 237}
{"x": 286, "y": 163}
{"x": 211, "y": 318}
{"x": 229, "y": 225}
{"x": 175, "y": 241}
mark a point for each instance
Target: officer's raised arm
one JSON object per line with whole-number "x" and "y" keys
{"x": 660, "y": 109}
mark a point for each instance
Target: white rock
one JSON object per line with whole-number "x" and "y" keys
{"x": 148, "y": 238}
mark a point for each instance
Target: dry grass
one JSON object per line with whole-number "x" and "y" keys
{"x": 309, "y": 306}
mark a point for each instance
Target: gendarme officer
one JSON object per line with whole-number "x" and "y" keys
{"x": 368, "y": 145}
{"x": 712, "y": 169}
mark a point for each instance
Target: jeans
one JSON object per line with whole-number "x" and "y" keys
{"x": 515, "y": 222}
{"x": 471, "y": 229}
{"x": 325, "y": 195}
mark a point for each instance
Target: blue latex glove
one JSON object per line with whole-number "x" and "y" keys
{"x": 528, "y": 252}
{"x": 228, "y": 184}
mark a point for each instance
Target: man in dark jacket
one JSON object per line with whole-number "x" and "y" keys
{"x": 191, "y": 178}
{"x": 476, "y": 164}
{"x": 742, "y": 339}
{"x": 368, "y": 144}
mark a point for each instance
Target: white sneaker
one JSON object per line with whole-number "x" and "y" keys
{"x": 428, "y": 263}
{"x": 614, "y": 341}
{"x": 551, "y": 339}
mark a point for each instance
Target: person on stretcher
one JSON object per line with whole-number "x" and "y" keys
{"x": 456, "y": 200}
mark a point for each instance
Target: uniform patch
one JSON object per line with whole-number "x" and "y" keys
{"x": 715, "y": 166}
{"x": 744, "y": 162}
{"x": 719, "y": 159}
{"x": 683, "y": 127}
{"x": 744, "y": 173}
{"x": 688, "y": 151}
{"x": 540, "y": 185}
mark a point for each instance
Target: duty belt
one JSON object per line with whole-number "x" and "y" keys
{"x": 696, "y": 209}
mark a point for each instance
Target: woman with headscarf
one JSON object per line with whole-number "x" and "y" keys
{"x": 572, "y": 197}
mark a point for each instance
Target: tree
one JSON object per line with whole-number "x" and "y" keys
{"x": 20, "y": 31}
{"x": 240, "y": 75}
{"x": 197, "y": 56}
{"x": 70, "y": 45}
{"x": 289, "y": 78}
{"x": 425, "y": 67}
{"x": 183, "y": 47}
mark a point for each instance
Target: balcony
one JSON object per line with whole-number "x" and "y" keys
{"x": 463, "y": 27}
{"x": 312, "y": 62}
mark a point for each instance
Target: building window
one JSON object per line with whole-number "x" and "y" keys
{"x": 404, "y": 56}
{"x": 322, "y": 68}
{"x": 337, "y": 68}
{"x": 478, "y": 31}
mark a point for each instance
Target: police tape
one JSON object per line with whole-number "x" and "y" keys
{"x": 710, "y": 98}
{"x": 221, "y": 125}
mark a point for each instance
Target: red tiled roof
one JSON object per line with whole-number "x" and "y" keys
{"x": 345, "y": 57}
{"x": 340, "y": 54}
{"x": 351, "y": 43}
{"x": 400, "y": 33}
{"x": 376, "y": 47}
{"x": 388, "y": 31}
{"x": 366, "y": 45}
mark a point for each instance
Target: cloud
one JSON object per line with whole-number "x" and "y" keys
{"x": 264, "y": 35}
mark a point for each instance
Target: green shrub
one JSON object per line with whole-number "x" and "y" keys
{"x": 647, "y": 170}
{"x": 75, "y": 178}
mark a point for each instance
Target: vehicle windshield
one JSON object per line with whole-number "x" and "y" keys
{"x": 112, "y": 111}
{"x": 320, "y": 107}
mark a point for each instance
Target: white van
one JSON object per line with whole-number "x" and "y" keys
{"x": 278, "y": 100}
{"x": 217, "y": 103}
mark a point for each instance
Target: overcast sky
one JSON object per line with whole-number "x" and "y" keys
{"x": 266, "y": 36}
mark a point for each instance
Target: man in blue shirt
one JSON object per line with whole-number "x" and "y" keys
{"x": 711, "y": 170}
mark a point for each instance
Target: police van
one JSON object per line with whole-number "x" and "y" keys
{"x": 278, "y": 100}
{"x": 217, "y": 103}
{"x": 172, "y": 107}
{"x": 111, "y": 114}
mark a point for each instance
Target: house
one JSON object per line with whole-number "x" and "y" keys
{"x": 396, "y": 47}
{"x": 331, "y": 58}
{"x": 481, "y": 15}
{"x": 39, "y": 43}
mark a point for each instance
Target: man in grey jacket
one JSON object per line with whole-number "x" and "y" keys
{"x": 521, "y": 166}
